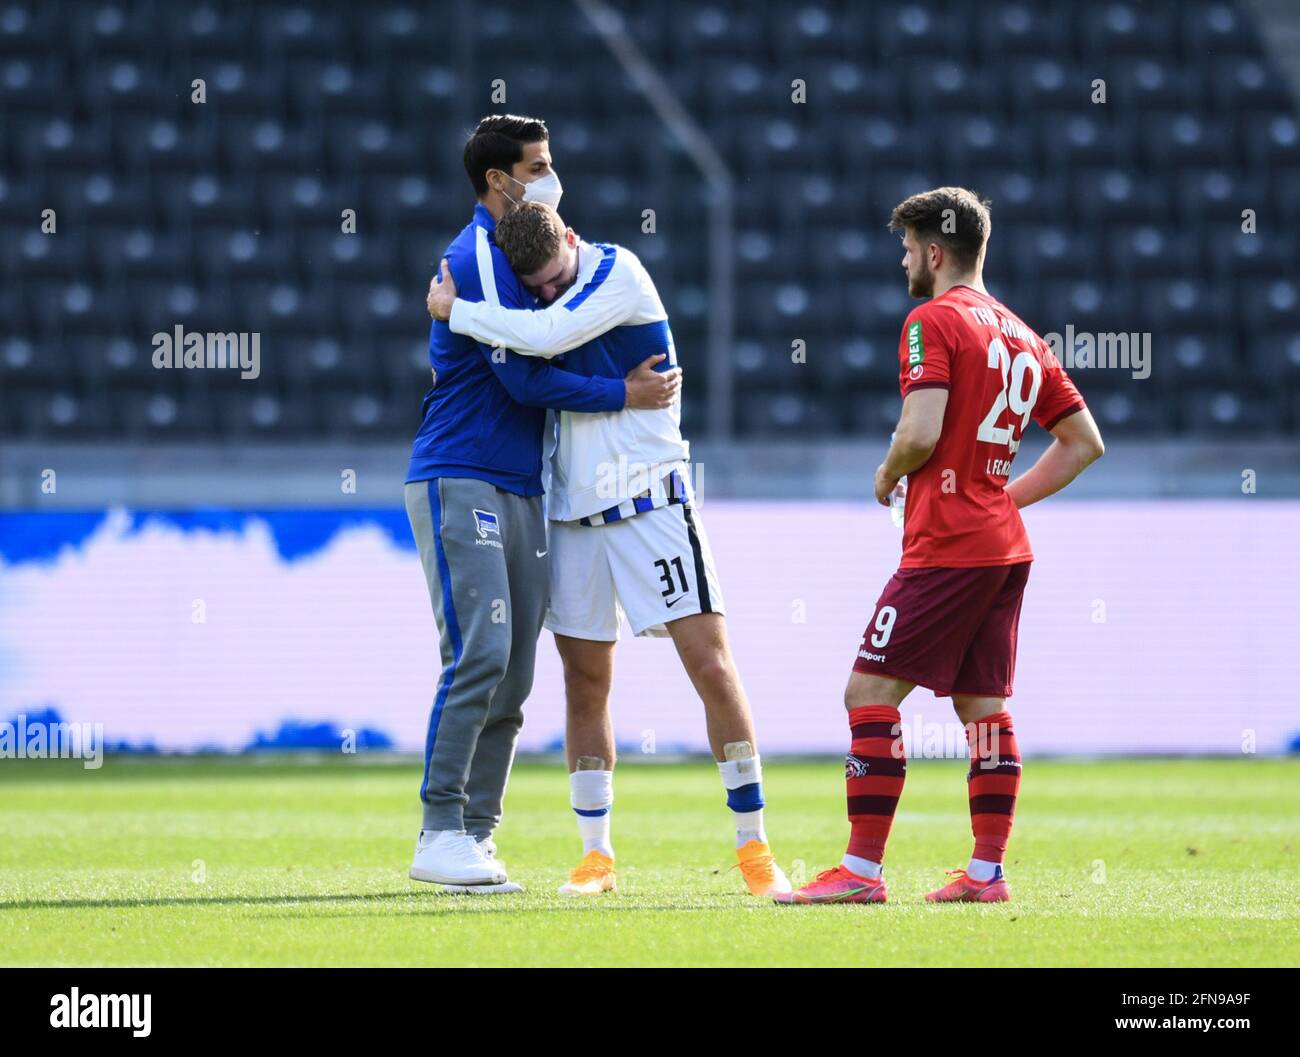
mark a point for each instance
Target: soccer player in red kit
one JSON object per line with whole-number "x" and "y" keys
{"x": 972, "y": 375}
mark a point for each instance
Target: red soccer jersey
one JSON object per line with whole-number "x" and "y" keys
{"x": 998, "y": 374}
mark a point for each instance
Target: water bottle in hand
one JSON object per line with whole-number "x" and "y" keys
{"x": 897, "y": 498}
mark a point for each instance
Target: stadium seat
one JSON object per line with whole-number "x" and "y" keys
{"x": 1236, "y": 412}
{"x": 1017, "y": 31}
{"x": 225, "y": 216}
{"x": 1275, "y": 357}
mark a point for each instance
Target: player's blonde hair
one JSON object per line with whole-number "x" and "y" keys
{"x": 953, "y": 216}
{"x": 530, "y": 236}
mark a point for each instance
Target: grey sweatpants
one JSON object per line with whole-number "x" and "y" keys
{"x": 484, "y": 556}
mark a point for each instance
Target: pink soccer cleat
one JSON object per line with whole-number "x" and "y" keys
{"x": 962, "y": 889}
{"x": 837, "y": 885}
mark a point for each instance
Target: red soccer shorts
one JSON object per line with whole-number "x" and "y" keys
{"x": 952, "y": 631}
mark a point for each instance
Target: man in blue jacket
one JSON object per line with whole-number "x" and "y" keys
{"x": 474, "y": 499}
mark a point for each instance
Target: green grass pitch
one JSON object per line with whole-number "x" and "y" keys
{"x": 294, "y": 862}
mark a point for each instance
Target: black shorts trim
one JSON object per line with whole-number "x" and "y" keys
{"x": 701, "y": 575}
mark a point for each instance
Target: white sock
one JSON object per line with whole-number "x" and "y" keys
{"x": 593, "y": 791}
{"x": 862, "y": 867}
{"x": 981, "y": 870}
{"x": 736, "y": 775}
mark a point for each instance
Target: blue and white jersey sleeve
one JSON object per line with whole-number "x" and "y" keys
{"x": 529, "y": 381}
{"x": 609, "y": 291}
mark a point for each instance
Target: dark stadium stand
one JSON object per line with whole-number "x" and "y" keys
{"x": 225, "y": 216}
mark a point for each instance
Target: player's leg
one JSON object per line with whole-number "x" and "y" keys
{"x": 584, "y": 616}
{"x": 664, "y": 574}
{"x": 589, "y": 747}
{"x": 705, "y": 653}
{"x": 917, "y": 636}
{"x": 992, "y": 783}
{"x": 971, "y": 708}
{"x": 875, "y": 767}
{"x": 475, "y": 654}
{"x": 980, "y": 690}
{"x": 588, "y": 677}
{"x": 521, "y": 610}
{"x": 874, "y": 770}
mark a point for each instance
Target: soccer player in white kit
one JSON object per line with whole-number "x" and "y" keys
{"x": 625, "y": 538}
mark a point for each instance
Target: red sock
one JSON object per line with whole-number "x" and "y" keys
{"x": 992, "y": 783}
{"x": 873, "y": 771}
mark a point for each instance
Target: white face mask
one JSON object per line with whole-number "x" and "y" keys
{"x": 546, "y": 190}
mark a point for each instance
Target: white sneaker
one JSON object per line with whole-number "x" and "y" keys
{"x": 489, "y": 849}
{"x": 453, "y": 857}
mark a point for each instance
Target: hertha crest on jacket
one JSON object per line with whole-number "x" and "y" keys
{"x": 854, "y": 766}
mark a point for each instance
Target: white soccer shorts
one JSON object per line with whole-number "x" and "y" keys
{"x": 652, "y": 568}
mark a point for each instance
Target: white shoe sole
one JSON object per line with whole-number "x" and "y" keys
{"x": 417, "y": 873}
{"x": 505, "y": 888}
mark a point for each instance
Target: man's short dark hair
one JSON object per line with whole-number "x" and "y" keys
{"x": 530, "y": 236}
{"x": 497, "y": 143}
{"x": 956, "y": 218}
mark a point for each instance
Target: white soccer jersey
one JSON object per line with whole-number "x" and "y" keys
{"x": 608, "y": 322}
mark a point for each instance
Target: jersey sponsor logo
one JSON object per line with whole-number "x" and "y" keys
{"x": 916, "y": 372}
{"x": 487, "y": 525}
{"x": 855, "y": 766}
{"x": 915, "y": 344}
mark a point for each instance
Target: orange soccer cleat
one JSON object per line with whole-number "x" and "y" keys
{"x": 595, "y": 874}
{"x": 758, "y": 866}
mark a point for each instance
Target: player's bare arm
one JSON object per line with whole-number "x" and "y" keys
{"x": 1076, "y": 445}
{"x": 915, "y": 438}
